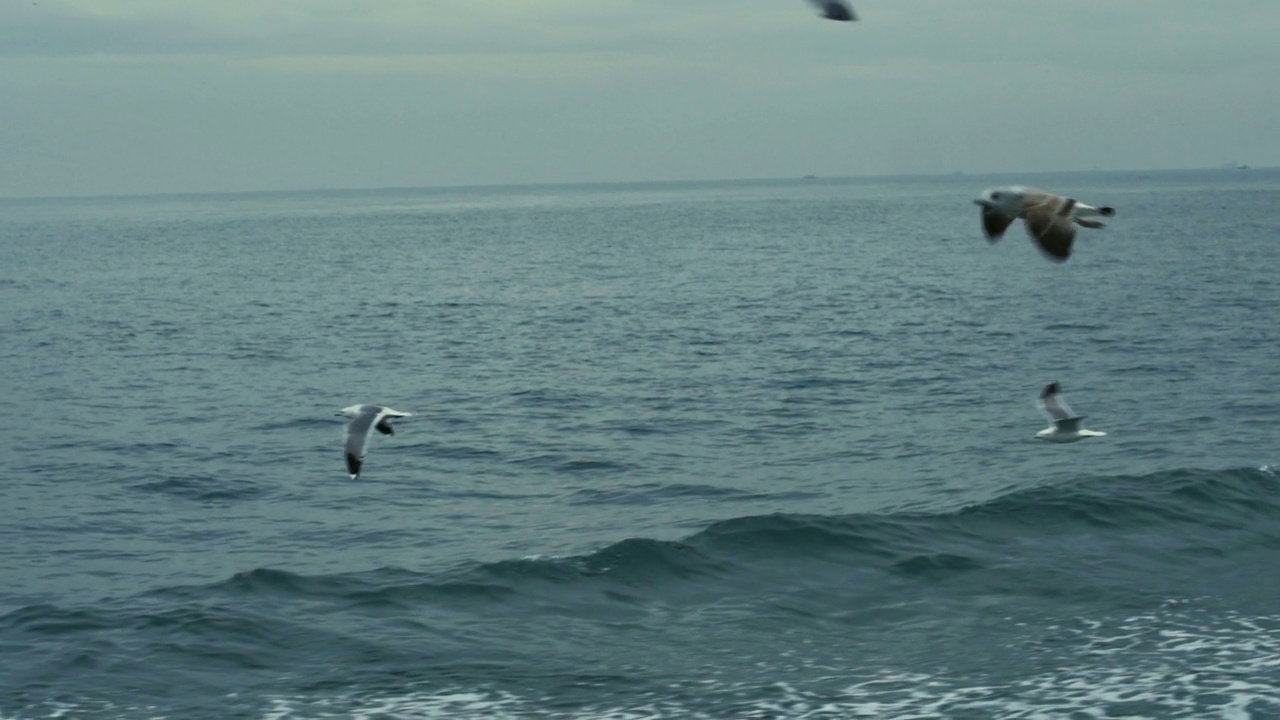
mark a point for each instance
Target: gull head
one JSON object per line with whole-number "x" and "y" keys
{"x": 1005, "y": 200}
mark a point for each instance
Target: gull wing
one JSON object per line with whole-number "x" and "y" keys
{"x": 834, "y": 10}
{"x": 385, "y": 416}
{"x": 1068, "y": 425}
{"x": 994, "y": 223}
{"x": 1050, "y": 225}
{"x": 357, "y": 435}
{"x": 1054, "y": 406}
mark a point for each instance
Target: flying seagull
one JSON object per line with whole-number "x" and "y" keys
{"x": 1050, "y": 219}
{"x": 364, "y": 418}
{"x": 1065, "y": 425}
{"x": 834, "y": 10}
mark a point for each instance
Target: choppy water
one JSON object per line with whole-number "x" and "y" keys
{"x": 704, "y": 450}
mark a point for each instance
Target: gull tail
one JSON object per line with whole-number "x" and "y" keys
{"x": 1082, "y": 211}
{"x": 1085, "y": 210}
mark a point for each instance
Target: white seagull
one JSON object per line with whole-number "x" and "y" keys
{"x": 1065, "y": 425}
{"x": 1050, "y": 219}
{"x": 835, "y": 10}
{"x": 363, "y": 419}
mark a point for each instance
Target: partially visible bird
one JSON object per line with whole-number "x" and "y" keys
{"x": 1050, "y": 219}
{"x": 1064, "y": 424}
{"x": 363, "y": 419}
{"x": 835, "y": 10}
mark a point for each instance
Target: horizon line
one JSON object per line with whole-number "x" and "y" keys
{"x": 567, "y": 184}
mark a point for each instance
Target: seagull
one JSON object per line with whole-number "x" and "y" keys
{"x": 1066, "y": 424}
{"x": 363, "y": 418}
{"x": 1050, "y": 219}
{"x": 835, "y": 10}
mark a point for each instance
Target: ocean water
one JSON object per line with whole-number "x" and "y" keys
{"x": 690, "y": 450}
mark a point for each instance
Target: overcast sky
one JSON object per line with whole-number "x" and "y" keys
{"x": 140, "y": 96}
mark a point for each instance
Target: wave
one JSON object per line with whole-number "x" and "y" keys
{"x": 1222, "y": 498}
{"x": 1175, "y": 660}
{"x": 653, "y": 492}
{"x": 1072, "y": 537}
{"x": 1167, "y": 662}
{"x": 1164, "y": 515}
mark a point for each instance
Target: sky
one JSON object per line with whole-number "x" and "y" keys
{"x": 110, "y": 97}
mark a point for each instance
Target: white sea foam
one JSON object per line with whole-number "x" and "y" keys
{"x": 1176, "y": 662}
{"x": 1172, "y": 663}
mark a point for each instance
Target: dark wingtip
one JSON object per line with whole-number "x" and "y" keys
{"x": 1056, "y": 254}
{"x": 1050, "y": 389}
{"x": 353, "y": 466}
{"x": 836, "y": 10}
{"x": 1107, "y": 211}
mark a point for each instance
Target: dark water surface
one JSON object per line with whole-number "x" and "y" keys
{"x": 698, "y": 450}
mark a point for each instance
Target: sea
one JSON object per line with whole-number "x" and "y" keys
{"x": 737, "y": 450}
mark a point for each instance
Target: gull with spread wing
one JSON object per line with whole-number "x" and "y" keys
{"x": 1065, "y": 424}
{"x": 363, "y": 419}
{"x": 1050, "y": 219}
